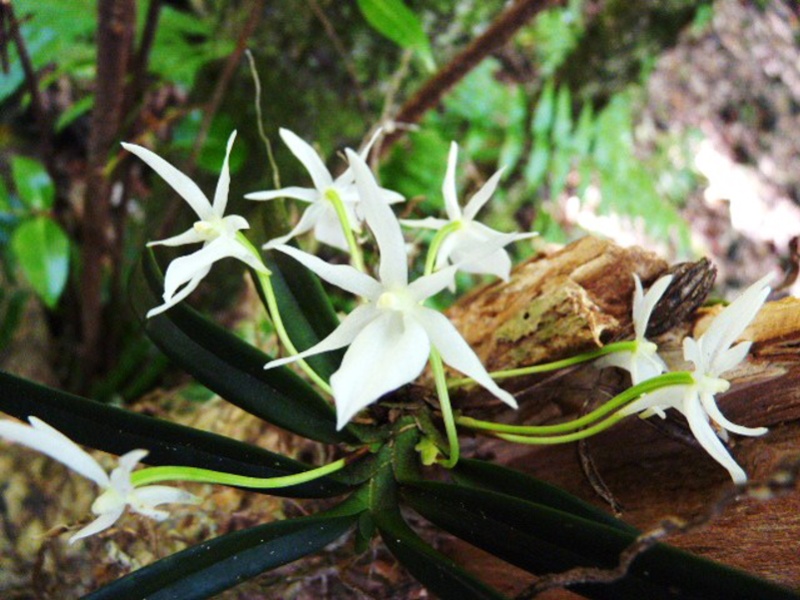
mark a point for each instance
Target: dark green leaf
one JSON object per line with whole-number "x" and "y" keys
{"x": 231, "y": 367}
{"x": 305, "y": 309}
{"x": 488, "y": 476}
{"x": 34, "y": 186}
{"x": 394, "y": 20}
{"x": 544, "y": 540}
{"x": 434, "y": 570}
{"x": 42, "y": 249}
{"x": 211, "y": 567}
{"x": 118, "y": 431}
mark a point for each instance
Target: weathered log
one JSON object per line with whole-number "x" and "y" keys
{"x": 576, "y": 299}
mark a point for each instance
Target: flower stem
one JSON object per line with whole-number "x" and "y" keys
{"x": 157, "y": 474}
{"x": 436, "y": 243}
{"x": 447, "y": 410}
{"x": 617, "y": 402}
{"x": 265, "y": 282}
{"x": 563, "y": 439}
{"x": 355, "y": 250}
{"x": 627, "y": 346}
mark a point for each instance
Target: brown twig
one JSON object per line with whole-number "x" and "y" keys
{"x": 116, "y": 22}
{"x": 498, "y": 34}
{"x": 40, "y": 112}
{"x": 330, "y": 31}
{"x": 233, "y": 62}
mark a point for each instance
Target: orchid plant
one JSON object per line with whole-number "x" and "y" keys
{"x": 407, "y": 457}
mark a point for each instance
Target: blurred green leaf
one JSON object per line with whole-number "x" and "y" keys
{"x": 395, "y": 21}
{"x": 79, "y": 108}
{"x": 545, "y": 110}
{"x": 33, "y": 184}
{"x": 42, "y": 249}
{"x": 562, "y": 122}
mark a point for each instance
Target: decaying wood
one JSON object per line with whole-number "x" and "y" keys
{"x": 580, "y": 297}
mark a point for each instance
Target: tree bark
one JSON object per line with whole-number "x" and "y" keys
{"x": 116, "y": 23}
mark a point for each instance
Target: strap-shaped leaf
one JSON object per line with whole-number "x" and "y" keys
{"x": 231, "y": 367}
{"x": 211, "y": 567}
{"x": 118, "y": 431}
{"x": 483, "y": 475}
{"x": 544, "y": 540}
{"x": 434, "y": 570}
{"x": 305, "y": 309}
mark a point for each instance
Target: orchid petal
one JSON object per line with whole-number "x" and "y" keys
{"x": 659, "y": 400}
{"x": 456, "y": 352}
{"x": 449, "y": 192}
{"x": 426, "y": 286}
{"x": 224, "y": 181}
{"x": 729, "y": 359}
{"x": 143, "y": 500}
{"x": 328, "y": 228}
{"x": 703, "y": 432}
{"x": 344, "y": 334}
{"x": 176, "y": 298}
{"x": 310, "y": 159}
{"x": 343, "y": 276}
{"x": 43, "y": 438}
{"x": 306, "y": 223}
{"x": 393, "y": 268}
{"x": 427, "y": 223}
{"x": 185, "y": 268}
{"x": 190, "y": 236}
{"x": 392, "y": 340}
{"x": 298, "y": 193}
{"x": 732, "y": 321}
{"x": 101, "y": 523}
{"x": 643, "y": 304}
{"x": 482, "y": 196}
{"x": 710, "y": 406}
{"x": 179, "y": 182}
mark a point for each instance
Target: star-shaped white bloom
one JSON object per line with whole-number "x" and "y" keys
{"x": 118, "y": 491}
{"x": 459, "y": 246}
{"x": 321, "y": 215}
{"x": 712, "y": 355}
{"x": 390, "y": 335}
{"x": 643, "y": 363}
{"x": 217, "y": 232}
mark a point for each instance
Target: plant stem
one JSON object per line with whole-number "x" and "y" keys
{"x": 563, "y": 439}
{"x": 265, "y": 281}
{"x": 617, "y": 402}
{"x": 447, "y": 410}
{"x": 355, "y": 250}
{"x": 157, "y": 474}
{"x": 627, "y": 346}
{"x": 436, "y": 243}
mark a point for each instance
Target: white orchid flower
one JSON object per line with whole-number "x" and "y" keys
{"x": 321, "y": 215}
{"x": 391, "y": 334}
{"x": 118, "y": 491}
{"x": 712, "y": 356}
{"x": 643, "y": 362}
{"x": 217, "y": 232}
{"x": 459, "y": 246}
